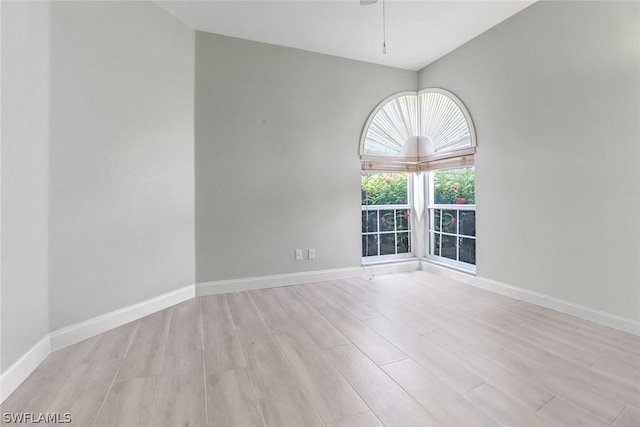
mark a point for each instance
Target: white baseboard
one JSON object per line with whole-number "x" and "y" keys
{"x": 597, "y": 316}
{"x": 92, "y": 327}
{"x": 404, "y": 266}
{"x": 23, "y": 367}
{"x": 263, "y": 282}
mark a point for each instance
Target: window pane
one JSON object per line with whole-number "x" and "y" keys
{"x": 436, "y": 219}
{"x": 436, "y": 243}
{"x": 454, "y": 186}
{"x": 468, "y": 223}
{"x": 384, "y": 189}
{"x": 369, "y": 245}
{"x": 402, "y": 219}
{"x": 387, "y": 244}
{"x": 381, "y": 191}
{"x": 452, "y": 230}
{"x": 386, "y": 221}
{"x": 369, "y": 221}
{"x": 449, "y": 221}
{"x": 403, "y": 243}
{"x": 448, "y": 247}
{"x": 468, "y": 250}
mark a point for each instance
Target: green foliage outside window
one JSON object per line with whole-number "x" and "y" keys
{"x": 384, "y": 189}
{"x": 455, "y": 186}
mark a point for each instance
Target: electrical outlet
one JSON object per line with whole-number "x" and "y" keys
{"x": 298, "y": 254}
{"x": 312, "y": 254}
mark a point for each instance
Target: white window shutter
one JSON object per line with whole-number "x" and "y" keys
{"x": 418, "y": 131}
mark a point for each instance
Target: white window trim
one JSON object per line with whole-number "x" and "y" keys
{"x": 379, "y": 259}
{"x": 436, "y": 259}
{"x": 452, "y": 264}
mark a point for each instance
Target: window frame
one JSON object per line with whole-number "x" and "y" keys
{"x": 430, "y": 231}
{"x": 374, "y": 259}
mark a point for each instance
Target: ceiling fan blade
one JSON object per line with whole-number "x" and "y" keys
{"x": 367, "y": 2}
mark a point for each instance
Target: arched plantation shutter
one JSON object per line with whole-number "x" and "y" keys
{"x": 418, "y": 131}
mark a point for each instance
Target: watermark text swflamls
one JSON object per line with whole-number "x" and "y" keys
{"x": 34, "y": 418}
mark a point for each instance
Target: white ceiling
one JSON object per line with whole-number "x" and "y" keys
{"x": 418, "y": 32}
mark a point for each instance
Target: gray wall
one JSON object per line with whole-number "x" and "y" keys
{"x": 555, "y": 93}
{"x": 277, "y": 167}
{"x": 121, "y": 157}
{"x": 25, "y": 127}
{"x": 97, "y": 156}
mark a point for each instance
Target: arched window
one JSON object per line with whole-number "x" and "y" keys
{"x": 426, "y": 131}
{"x": 418, "y": 131}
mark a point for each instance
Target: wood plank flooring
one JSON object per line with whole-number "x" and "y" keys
{"x": 410, "y": 349}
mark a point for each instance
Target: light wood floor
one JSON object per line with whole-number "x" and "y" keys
{"x": 404, "y": 350}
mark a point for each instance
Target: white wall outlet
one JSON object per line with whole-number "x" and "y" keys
{"x": 312, "y": 254}
{"x": 298, "y": 254}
